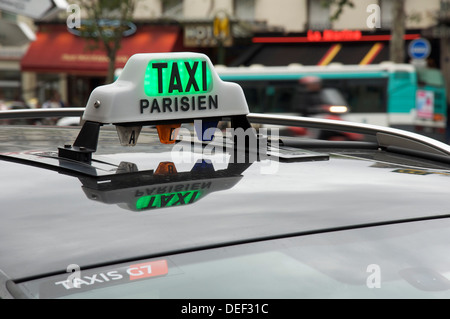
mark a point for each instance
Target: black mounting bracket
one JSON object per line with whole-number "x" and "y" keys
{"x": 84, "y": 145}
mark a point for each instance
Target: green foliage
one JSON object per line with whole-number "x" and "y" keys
{"x": 106, "y": 21}
{"x": 340, "y": 4}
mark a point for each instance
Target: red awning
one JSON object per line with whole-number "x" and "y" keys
{"x": 58, "y": 50}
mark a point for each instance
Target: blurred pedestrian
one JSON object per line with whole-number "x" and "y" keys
{"x": 307, "y": 97}
{"x": 54, "y": 102}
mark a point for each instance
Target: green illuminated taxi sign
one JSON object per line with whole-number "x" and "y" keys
{"x": 156, "y": 87}
{"x": 177, "y": 77}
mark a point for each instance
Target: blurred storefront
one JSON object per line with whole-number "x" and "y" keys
{"x": 324, "y": 47}
{"x": 61, "y": 61}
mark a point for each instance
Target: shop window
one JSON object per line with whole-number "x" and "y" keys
{"x": 10, "y": 85}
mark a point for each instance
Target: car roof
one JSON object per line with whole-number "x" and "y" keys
{"x": 60, "y": 216}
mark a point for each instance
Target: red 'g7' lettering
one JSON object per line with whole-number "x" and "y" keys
{"x": 150, "y": 269}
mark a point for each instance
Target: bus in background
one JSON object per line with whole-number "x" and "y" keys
{"x": 395, "y": 95}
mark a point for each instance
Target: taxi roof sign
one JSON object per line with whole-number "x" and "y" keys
{"x": 158, "y": 87}
{"x": 162, "y": 89}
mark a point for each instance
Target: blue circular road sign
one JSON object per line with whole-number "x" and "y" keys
{"x": 419, "y": 49}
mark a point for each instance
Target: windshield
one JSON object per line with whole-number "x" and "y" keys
{"x": 431, "y": 77}
{"x": 393, "y": 261}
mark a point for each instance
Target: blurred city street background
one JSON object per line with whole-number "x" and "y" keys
{"x": 384, "y": 62}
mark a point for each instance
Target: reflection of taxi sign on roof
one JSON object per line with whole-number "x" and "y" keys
{"x": 163, "y": 188}
{"x": 163, "y": 89}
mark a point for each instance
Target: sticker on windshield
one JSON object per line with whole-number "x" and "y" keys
{"x": 90, "y": 280}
